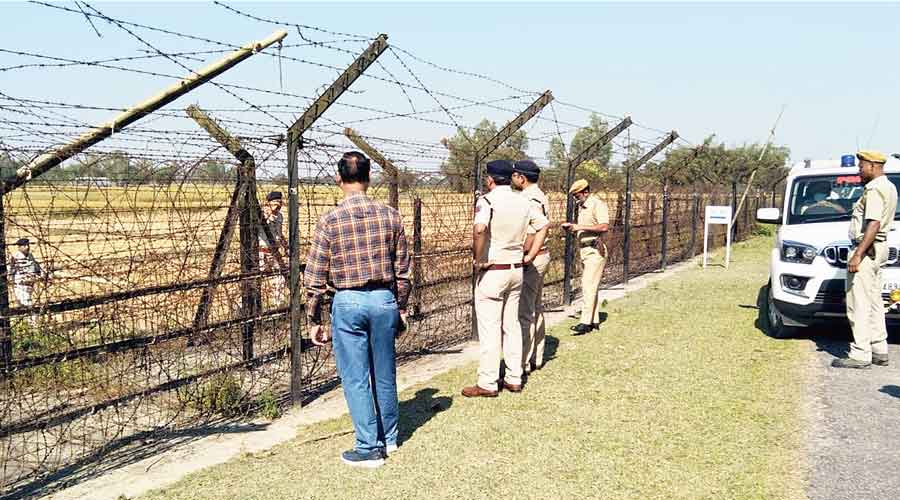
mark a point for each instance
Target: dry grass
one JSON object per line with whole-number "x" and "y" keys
{"x": 678, "y": 396}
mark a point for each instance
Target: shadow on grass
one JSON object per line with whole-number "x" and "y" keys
{"x": 416, "y": 412}
{"x": 832, "y": 336}
{"x": 891, "y": 390}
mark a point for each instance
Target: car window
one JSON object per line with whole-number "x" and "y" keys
{"x": 827, "y": 197}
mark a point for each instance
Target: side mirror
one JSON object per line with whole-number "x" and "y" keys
{"x": 768, "y": 215}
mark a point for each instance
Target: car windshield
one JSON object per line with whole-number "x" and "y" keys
{"x": 827, "y": 198}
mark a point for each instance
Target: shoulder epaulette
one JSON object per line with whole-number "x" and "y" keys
{"x": 543, "y": 208}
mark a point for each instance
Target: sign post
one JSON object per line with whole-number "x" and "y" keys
{"x": 717, "y": 215}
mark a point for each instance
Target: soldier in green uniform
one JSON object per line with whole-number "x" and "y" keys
{"x": 872, "y": 217}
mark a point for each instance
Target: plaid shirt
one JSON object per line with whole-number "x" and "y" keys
{"x": 359, "y": 243}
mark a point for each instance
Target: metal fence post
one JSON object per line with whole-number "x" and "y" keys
{"x": 5, "y": 326}
{"x": 417, "y": 257}
{"x": 294, "y": 143}
{"x": 665, "y": 225}
{"x": 626, "y": 243}
{"x": 569, "y": 253}
{"x": 695, "y": 220}
{"x": 249, "y": 236}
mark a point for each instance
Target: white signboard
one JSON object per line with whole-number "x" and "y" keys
{"x": 717, "y": 215}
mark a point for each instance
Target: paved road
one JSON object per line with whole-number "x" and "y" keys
{"x": 854, "y": 440}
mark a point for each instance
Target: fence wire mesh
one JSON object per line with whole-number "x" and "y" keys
{"x": 157, "y": 319}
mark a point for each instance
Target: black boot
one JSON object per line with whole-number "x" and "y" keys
{"x": 582, "y": 328}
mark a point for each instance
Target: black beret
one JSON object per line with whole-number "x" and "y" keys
{"x": 23, "y": 241}
{"x": 526, "y": 167}
{"x": 502, "y": 168}
{"x": 274, "y": 195}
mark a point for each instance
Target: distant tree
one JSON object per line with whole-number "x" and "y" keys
{"x": 594, "y": 169}
{"x": 459, "y": 167}
{"x": 719, "y": 165}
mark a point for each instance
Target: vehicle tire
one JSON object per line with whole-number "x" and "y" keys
{"x": 772, "y": 319}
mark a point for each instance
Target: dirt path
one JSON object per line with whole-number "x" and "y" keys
{"x": 854, "y": 441}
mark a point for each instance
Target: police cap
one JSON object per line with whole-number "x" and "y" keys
{"x": 578, "y": 186}
{"x": 274, "y": 195}
{"x": 872, "y": 156}
{"x": 526, "y": 167}
{"x": 501, "y": 168}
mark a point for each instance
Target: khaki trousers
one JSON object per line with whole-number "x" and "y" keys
{"x": 592, "y": 262}
{"x": 531, "y": 312}
{"x": 499, "y": 333}
{"x": 865, "y": 307}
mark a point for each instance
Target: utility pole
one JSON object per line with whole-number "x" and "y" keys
{"x": 484, "y": 151}
{"x": 758, "y": 160}
{"x": 294, "y": 143}
{"x": 589, "y": 152}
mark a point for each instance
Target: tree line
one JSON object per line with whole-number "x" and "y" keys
{"x": 709, "y": 166}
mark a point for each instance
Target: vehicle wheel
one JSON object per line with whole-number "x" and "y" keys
{"x": 774, "y": 323}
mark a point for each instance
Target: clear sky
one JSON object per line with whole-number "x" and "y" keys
{"x": 700, "y": 68}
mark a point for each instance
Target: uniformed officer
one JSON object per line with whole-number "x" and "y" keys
{"x": 25, "y": 272}
{"x": 593, "y": 222}
{"x": 531, "y": 307}
{"x": 502, "y": 218}
{"x": 274, "y": 219}
{"x": 872, "y": 217}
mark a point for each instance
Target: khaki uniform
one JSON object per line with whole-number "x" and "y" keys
{"x": 508, "y": 216}
{"x": 531, "y": 305}
{"x": 865, "y": 307}
{"x": 593, "y": 212}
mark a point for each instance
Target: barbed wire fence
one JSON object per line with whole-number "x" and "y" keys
{"x": 150, "y": 326}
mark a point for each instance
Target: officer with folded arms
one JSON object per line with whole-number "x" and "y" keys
{"x": 531, "y": 307}
{"x": 502, "y": 218}
{"x": 873, "y": 215}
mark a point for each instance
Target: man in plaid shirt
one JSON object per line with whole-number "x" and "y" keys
{"x": 359, "y": 249}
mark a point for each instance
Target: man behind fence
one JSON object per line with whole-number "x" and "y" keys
{"x": 531, "y": 303}
{"x": 502, "y": 218}
{"x": 359, "y": 248}
{"x": 274, "y": 220}
{"x": 593, "y": 222}
{"x": 25, "y": 272}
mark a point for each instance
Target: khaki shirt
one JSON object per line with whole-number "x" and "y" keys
{"x": 593, "y": 212}
{"x": 878, "y": 202}
{"x": 508, "y": 215}
{"x": 537, "y": 197}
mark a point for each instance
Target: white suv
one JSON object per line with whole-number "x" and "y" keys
{"x": 808, "y": 266}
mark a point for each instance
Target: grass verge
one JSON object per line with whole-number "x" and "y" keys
{"x": 677, "y": 396}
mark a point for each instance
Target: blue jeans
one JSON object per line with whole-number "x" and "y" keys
{"x": 364, "y": 326}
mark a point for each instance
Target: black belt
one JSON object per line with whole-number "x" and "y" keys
{"x": 368, "y": 287}
{"x": 503, "y": 267}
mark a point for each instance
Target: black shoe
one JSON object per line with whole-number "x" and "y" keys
{"x": 879, "y": 359}
{"x": 371, "y": 459}
{"x": 581, "y": 328}
{"x": 850, "y": 363}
